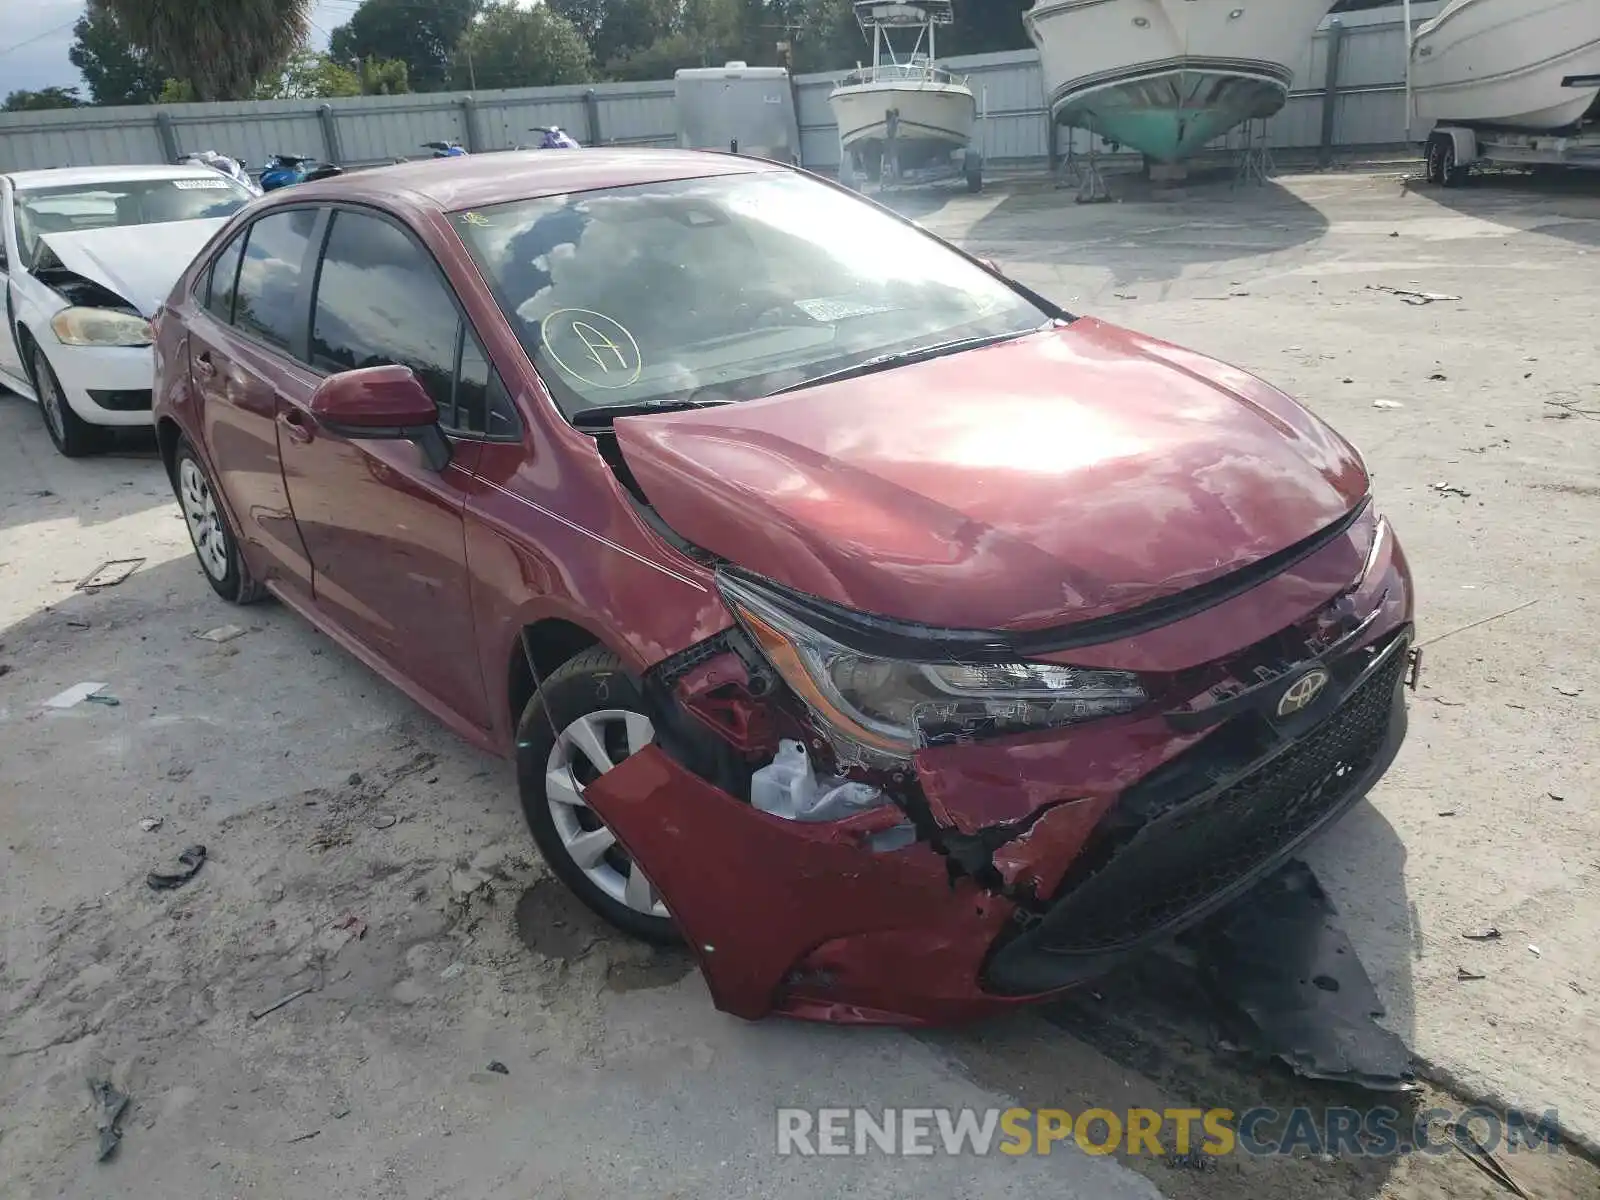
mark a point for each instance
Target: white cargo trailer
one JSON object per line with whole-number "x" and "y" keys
{"x": 740, "y": 109}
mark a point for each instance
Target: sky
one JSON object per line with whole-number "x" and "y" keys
{"x": 35, "y": 37}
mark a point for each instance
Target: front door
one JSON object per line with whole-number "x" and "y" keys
{"x": 241, "y": 356}
{"x": 11, "y": 368}
{"x": 385, "y": 531}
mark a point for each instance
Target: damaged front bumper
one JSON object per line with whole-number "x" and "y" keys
{"x": 1040, "y": 860}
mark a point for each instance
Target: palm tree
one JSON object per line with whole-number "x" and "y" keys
{"x": 220, "y": 47}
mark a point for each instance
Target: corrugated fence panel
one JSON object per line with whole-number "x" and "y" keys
{"x": 35, "y": 140}
{"x": 643, "y": 115}
{"x": 375, "y": 129}
{"x": 236, "y": 130}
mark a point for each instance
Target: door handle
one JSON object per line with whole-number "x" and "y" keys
{"x": 295, "y": 425}
{"x": 203, "y": 366}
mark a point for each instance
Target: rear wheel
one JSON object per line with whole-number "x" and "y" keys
{"x": 214, "y": 542}
{"x": 587, "y": 717}
{"x": 71, "y": 434}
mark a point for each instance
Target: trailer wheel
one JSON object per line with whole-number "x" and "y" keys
{"x": 1450, "y": 174}
{"x": 974, "y": 173}
{"x": 1433, "y": 161}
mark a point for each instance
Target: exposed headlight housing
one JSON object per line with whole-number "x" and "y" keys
{"x": 891, "y": 707}
{"x": 100, "y": 327}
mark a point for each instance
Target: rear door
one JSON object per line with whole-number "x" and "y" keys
{"x": 242, "y": 355}
{"x": 384, "y": 530}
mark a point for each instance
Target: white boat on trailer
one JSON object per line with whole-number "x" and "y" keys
{"x": 905, "y": 114}
{"x": 1509, "y": 63}
{"x": 1508, "y": 83}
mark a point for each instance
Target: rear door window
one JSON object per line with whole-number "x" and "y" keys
{"x": 269, "y": 275}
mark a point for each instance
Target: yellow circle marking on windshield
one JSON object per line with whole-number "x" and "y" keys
{"x": 615, "y": 364}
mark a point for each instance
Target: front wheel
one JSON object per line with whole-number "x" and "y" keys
{"x": 71, "y": 434}
{"x": 587, "y": 717}
{"x": 214, "y": 542}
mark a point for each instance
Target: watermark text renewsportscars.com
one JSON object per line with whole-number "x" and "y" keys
{"x": 1342, "y": 1132}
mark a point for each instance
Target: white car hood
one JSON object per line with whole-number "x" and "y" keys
{"x": 140, "y": 263}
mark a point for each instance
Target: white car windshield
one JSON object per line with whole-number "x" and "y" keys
{"x": 724, "y": 289}
{"x": 72, "y": 208}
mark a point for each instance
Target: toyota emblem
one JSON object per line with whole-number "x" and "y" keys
{"x": 1302, "y": 693}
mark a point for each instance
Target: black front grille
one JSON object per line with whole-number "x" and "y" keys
{"x": 1182, "y": 852}
{"x": 124, "y": 400}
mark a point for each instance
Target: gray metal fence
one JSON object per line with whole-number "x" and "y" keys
{"x": 1361, "y": 103}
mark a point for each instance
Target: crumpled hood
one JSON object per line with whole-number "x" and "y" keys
{"x": 140, "y": 263}
{"x": 1060, "y": 477}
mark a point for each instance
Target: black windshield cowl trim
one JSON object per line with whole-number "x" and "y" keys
{"x": 905, "y": 358}
{"x": 891, "y": 637}
{"x": 602, "y": 415}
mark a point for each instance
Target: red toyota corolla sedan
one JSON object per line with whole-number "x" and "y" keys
{"x": 906, "y": 645}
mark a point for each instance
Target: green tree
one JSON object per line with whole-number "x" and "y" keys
{"x": 984, "y": 26}
{"x": 311, "y": 76}
{"x": 707, "y": 33}
{"x": 50, "y": 97}
{"x": 511, "y": 47}
{"x": 423, "y": 37}
{"x": 221, "y": 48}
{"x": 385, "y": 77}
{"x": 115, "y": 71}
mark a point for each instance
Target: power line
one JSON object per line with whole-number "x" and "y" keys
{"x": 38, "y": 37}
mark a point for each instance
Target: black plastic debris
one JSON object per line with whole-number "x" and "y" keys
{"x": 499, "y": 1068}
{"x": 191, "y": 860}
{"x": 1286, "y": 977}
{"x": 108, "y": 1106}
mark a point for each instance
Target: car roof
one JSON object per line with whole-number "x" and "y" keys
{"x": 481, "y": 180}
{"x": 127, "y": 173}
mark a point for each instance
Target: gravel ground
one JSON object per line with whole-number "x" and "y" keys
{"x": 356, "y": 848}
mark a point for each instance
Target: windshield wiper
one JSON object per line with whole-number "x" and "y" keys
{"x": 901, "y": 358}
{"x": 601, "y": 415}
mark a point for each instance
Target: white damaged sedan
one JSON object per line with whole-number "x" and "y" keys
{"x": 87, "y": 255}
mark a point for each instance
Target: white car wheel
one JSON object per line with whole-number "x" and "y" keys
{"x": 586, "y": 749}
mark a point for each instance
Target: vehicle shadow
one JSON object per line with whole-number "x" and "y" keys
{"x": 38, "y": 484}
{"x": 1142, "y": 240}
{"x": 1152, "y": 1036}
{"x": 1556, "y": 203}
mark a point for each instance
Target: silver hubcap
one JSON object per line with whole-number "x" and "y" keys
{"x": 584, "y": 751}
{"x": 205, "y": 523}
{"x": 49, "y": 400}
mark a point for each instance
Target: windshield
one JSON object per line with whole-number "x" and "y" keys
{"x": 723, "y": 289}
{"x": 74, "y": 208}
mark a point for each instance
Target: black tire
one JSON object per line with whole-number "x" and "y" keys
{"x": 220, "y": 562}
{"x": 975, "y": 181}
{"x": 592, "y": 682}
{"x": 69, "y": 433}
{"x": 1450, "y": 175}
{"x": 1433, "y": 160}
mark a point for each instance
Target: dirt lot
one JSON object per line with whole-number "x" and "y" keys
{"x": 323, "y": 796}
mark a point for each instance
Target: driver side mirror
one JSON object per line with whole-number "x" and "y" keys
{"x": 382, "y": 403}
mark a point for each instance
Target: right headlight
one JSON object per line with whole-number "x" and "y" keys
{"x": 100, "y": 327}
{"x": 892, "y": 707}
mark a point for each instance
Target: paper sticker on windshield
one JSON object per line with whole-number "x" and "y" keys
{"x": 476, "y": 219}
{"x": 202, "y": 185}
{"x": 592, "y": 347}
{"x": 840, "y": 309}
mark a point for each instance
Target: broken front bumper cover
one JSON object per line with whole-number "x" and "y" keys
{"x": 807, "y": 921}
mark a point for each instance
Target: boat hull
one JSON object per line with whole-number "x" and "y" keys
{"x": 934, "y": 117}
{"x": 1505, "y": 63}
{"x": 1165, "y": 77}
